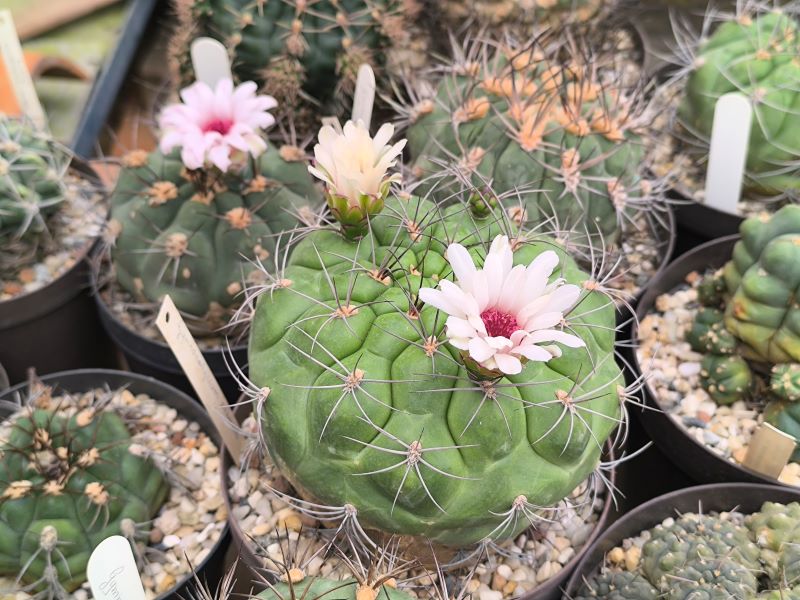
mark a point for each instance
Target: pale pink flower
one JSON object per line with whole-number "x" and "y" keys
{"x": 502, "y": 315}
{"x": 213, "y": 125}
{"x": 353, "y": 164}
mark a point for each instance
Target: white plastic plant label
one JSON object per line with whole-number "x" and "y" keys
{"x": 210, "y": 61}
{"x": 730, "y": 137}
{"x": 112, "y": 571}
{"x": 364, "y": 98}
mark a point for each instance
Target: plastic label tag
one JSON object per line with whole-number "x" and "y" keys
{"x": 183, "y": 346}
{"x": 210, "y": 61}
{"x": 769, "y": 451}
{"x": 364, "y": 98}
{"x": 112, "y": 571}
{"x": 727, "y": 157}
{"x": 25, "y": 101}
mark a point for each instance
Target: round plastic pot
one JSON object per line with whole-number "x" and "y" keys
{"x": 56, "y": 327}
{"x": 242, "y": 545}
{"x": 744, "y": 497}
{"x": 154, "y": 358}
{"x": 689, "y": 455}
{"x": 211, "y": 569}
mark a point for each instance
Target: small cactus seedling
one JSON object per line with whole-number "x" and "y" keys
{"x": 551, "y": 129}
{"x": 68, "y": 482}
{"x": 412, "y": 366}
{"x": 195, "y": 223}
{"x": 301, "y": 48}
{"x": 756, "y": 53}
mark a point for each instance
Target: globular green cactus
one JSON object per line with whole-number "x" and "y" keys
{"x": 711, "y": 290}
{"x": 197, "y": 237}
{"x": 553, "y": 133}
{"x": 786, "y": 417}
{"x": 785, "y": 382}
{"x": 32, "y": 168}
{"x": 708, "y": 333}
{"x": 618, "y": 585}
{"x": 727, "y": 379}
{"x": 370, "y": 407}
{"x": 711, "y": 579}
{"x": 516, "y": 14}
{"x": 776, "y": 529}
{"x": 67, "y": 484}
{"x": 317, "y": 588}
{"x": 758, "y": 56}
{"x": 296, "y": 48}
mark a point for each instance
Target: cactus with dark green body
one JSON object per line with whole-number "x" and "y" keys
{"x": 370, "y": 407}
{"x": 618, "y": 585}
{"x": 197, "y": 237}
{"x": 758, "y": 56}
{"x": 555, "y": 139}
{"x": 67, "y": 484}
{"x": 32, "y": 168}
{"x": 317, "y": 588}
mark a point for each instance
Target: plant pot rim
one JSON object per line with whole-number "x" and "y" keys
{"x": 183, "y": 404}
{"x": 684, "y": 265}
{"x": 655, "y": 510}
{"x": 241, "y": 541}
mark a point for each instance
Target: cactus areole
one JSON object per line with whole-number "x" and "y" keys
{"x": 433, "y": 421}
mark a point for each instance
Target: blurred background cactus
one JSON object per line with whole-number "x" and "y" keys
{"x": 305, "y": 53}
{"x": 522, "y": 15}
{"x": 70, "y": 479}
{"x": 753, "y": 51}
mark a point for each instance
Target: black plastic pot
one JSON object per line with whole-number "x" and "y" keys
{"x": 154, "y": 358}
{"x": 241, "y": 544}
{"x": 55, "y": 328}
{"x": 209, "y": 570}
{"x": 692, "y": 457}
{"x": 744, "y": 497}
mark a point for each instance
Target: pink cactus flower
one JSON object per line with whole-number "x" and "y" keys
{"x": 216, "y": 126}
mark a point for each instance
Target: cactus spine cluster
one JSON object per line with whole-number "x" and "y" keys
{"x": 32, "y": 167}
{"x": 68, "y": 482}
{"x": 198, "y": 234}
{"x": 516, "y": 13}
{"x": 552, "y": 132}
{"x": 758, "y": 56}
{"x": 713, "y": 556}
{"x": 371, "y": 407}
{"x": 749, "y": 328}
{"x": 301, "y": 48}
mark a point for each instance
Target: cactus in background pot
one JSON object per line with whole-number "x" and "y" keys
{"x": 68, "y": 482}
{"x": 301, "y": 48}
{"x": 757, "y": 55}
{"x": 516, "y": 13}
{"x": 549, "y": 128}
{"x": 194, "y": 218}
{"x": 411, "y": 367}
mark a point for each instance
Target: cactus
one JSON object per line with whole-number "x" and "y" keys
{"x": 727, "y": 379}
{"x": 758, "y": 56}
{"x": 296, "y": 48}
{"x": 776, "y": 529}
{"x": 553, "y": 133}
{"x": 516, "y": 14}
{"x": 67, "y": 484}
{"x": 370, "y": 408}
{"x": 177, "y": 233}
{"x": 786, "y": 417}
{"x": 315, "y": 588}
{"x": 618, "y": 585}
{"x": 32, "y": 168}
{"x": 785, "y": 382}
{"x": 708, "y": 333}
{"x": 781, "y": 594}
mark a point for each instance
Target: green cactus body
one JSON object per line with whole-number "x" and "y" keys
{"x": 69, "y": 483}
{"x": 763, "y": 280}
{"x": 711, "y": 290}
{"x": 696, "y": 541}
{"x": 316, "y": 588}
{"x": 727, "y": 379}
{"x": 553, "y": 142}
{"x": 369, "y": 407}
{"x": 782, "y": 594}
{"x": 618, "y": 585}
{"x": 710, "y": 579}
{"x": 776, "y": 529}
{"x": 32, "y": 167}
{"x": 708, "y": 333}
{"x": 174, "y": 237}
{"x": 293, "y": 45}
{"x": 785, "y": 382}
{"x": 758, "y": 57}
{"x": 786, "y": 417}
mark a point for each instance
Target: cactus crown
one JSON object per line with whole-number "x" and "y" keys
{"x": 32, "y": 169}
{"x": 70, "y": 480}
{"x": 754, "y": 52}
{"x": 551, "y": 126}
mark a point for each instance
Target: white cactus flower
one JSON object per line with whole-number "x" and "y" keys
{"x": 502, "y": 315}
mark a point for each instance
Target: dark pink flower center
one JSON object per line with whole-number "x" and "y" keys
{"x": 499, "y": 323}
{"x": 222, "y": 126}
